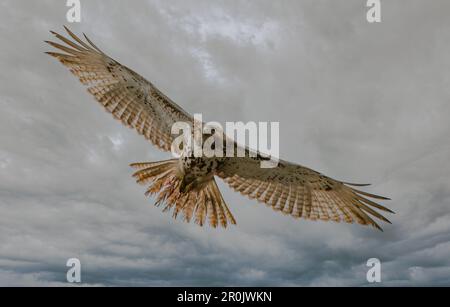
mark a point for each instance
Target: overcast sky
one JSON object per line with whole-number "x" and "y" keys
{"x": 360, "y": 102}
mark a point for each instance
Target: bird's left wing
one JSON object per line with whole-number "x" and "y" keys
{"x": 133, "y": 100}
{"x": 301, "y": 192}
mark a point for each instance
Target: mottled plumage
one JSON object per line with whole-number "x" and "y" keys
{"x": 187, "y": 185}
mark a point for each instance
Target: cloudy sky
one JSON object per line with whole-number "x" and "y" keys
{"x": 360, "y": 102}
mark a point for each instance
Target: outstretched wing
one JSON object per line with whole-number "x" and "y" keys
{"x": 301, "y": 192}
{"x": 133, "y": 100}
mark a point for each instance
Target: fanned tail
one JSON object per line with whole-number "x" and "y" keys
{"x": 201, "y": 204}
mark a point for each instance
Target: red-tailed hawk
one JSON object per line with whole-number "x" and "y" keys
{"x": 187, "y": 185}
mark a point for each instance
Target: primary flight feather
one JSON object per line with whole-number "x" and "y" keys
{"x": 187, "y": 185}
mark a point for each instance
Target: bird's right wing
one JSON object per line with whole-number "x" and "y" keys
{"x": 133, "y": 100}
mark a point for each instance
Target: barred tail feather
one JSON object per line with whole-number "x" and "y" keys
{"x": 205, "y": 203}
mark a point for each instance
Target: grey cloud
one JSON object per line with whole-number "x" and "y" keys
{"x": 361, "y": 102}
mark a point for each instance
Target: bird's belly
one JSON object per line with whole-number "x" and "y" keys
{"x": 199, "y": 167}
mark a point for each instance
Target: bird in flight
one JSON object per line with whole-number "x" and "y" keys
{"x": 187, "y": 185}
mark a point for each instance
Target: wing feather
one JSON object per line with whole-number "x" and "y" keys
{"x": 302, "y": 192}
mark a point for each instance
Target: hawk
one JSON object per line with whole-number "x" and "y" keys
{"x": 187, "y": 185}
